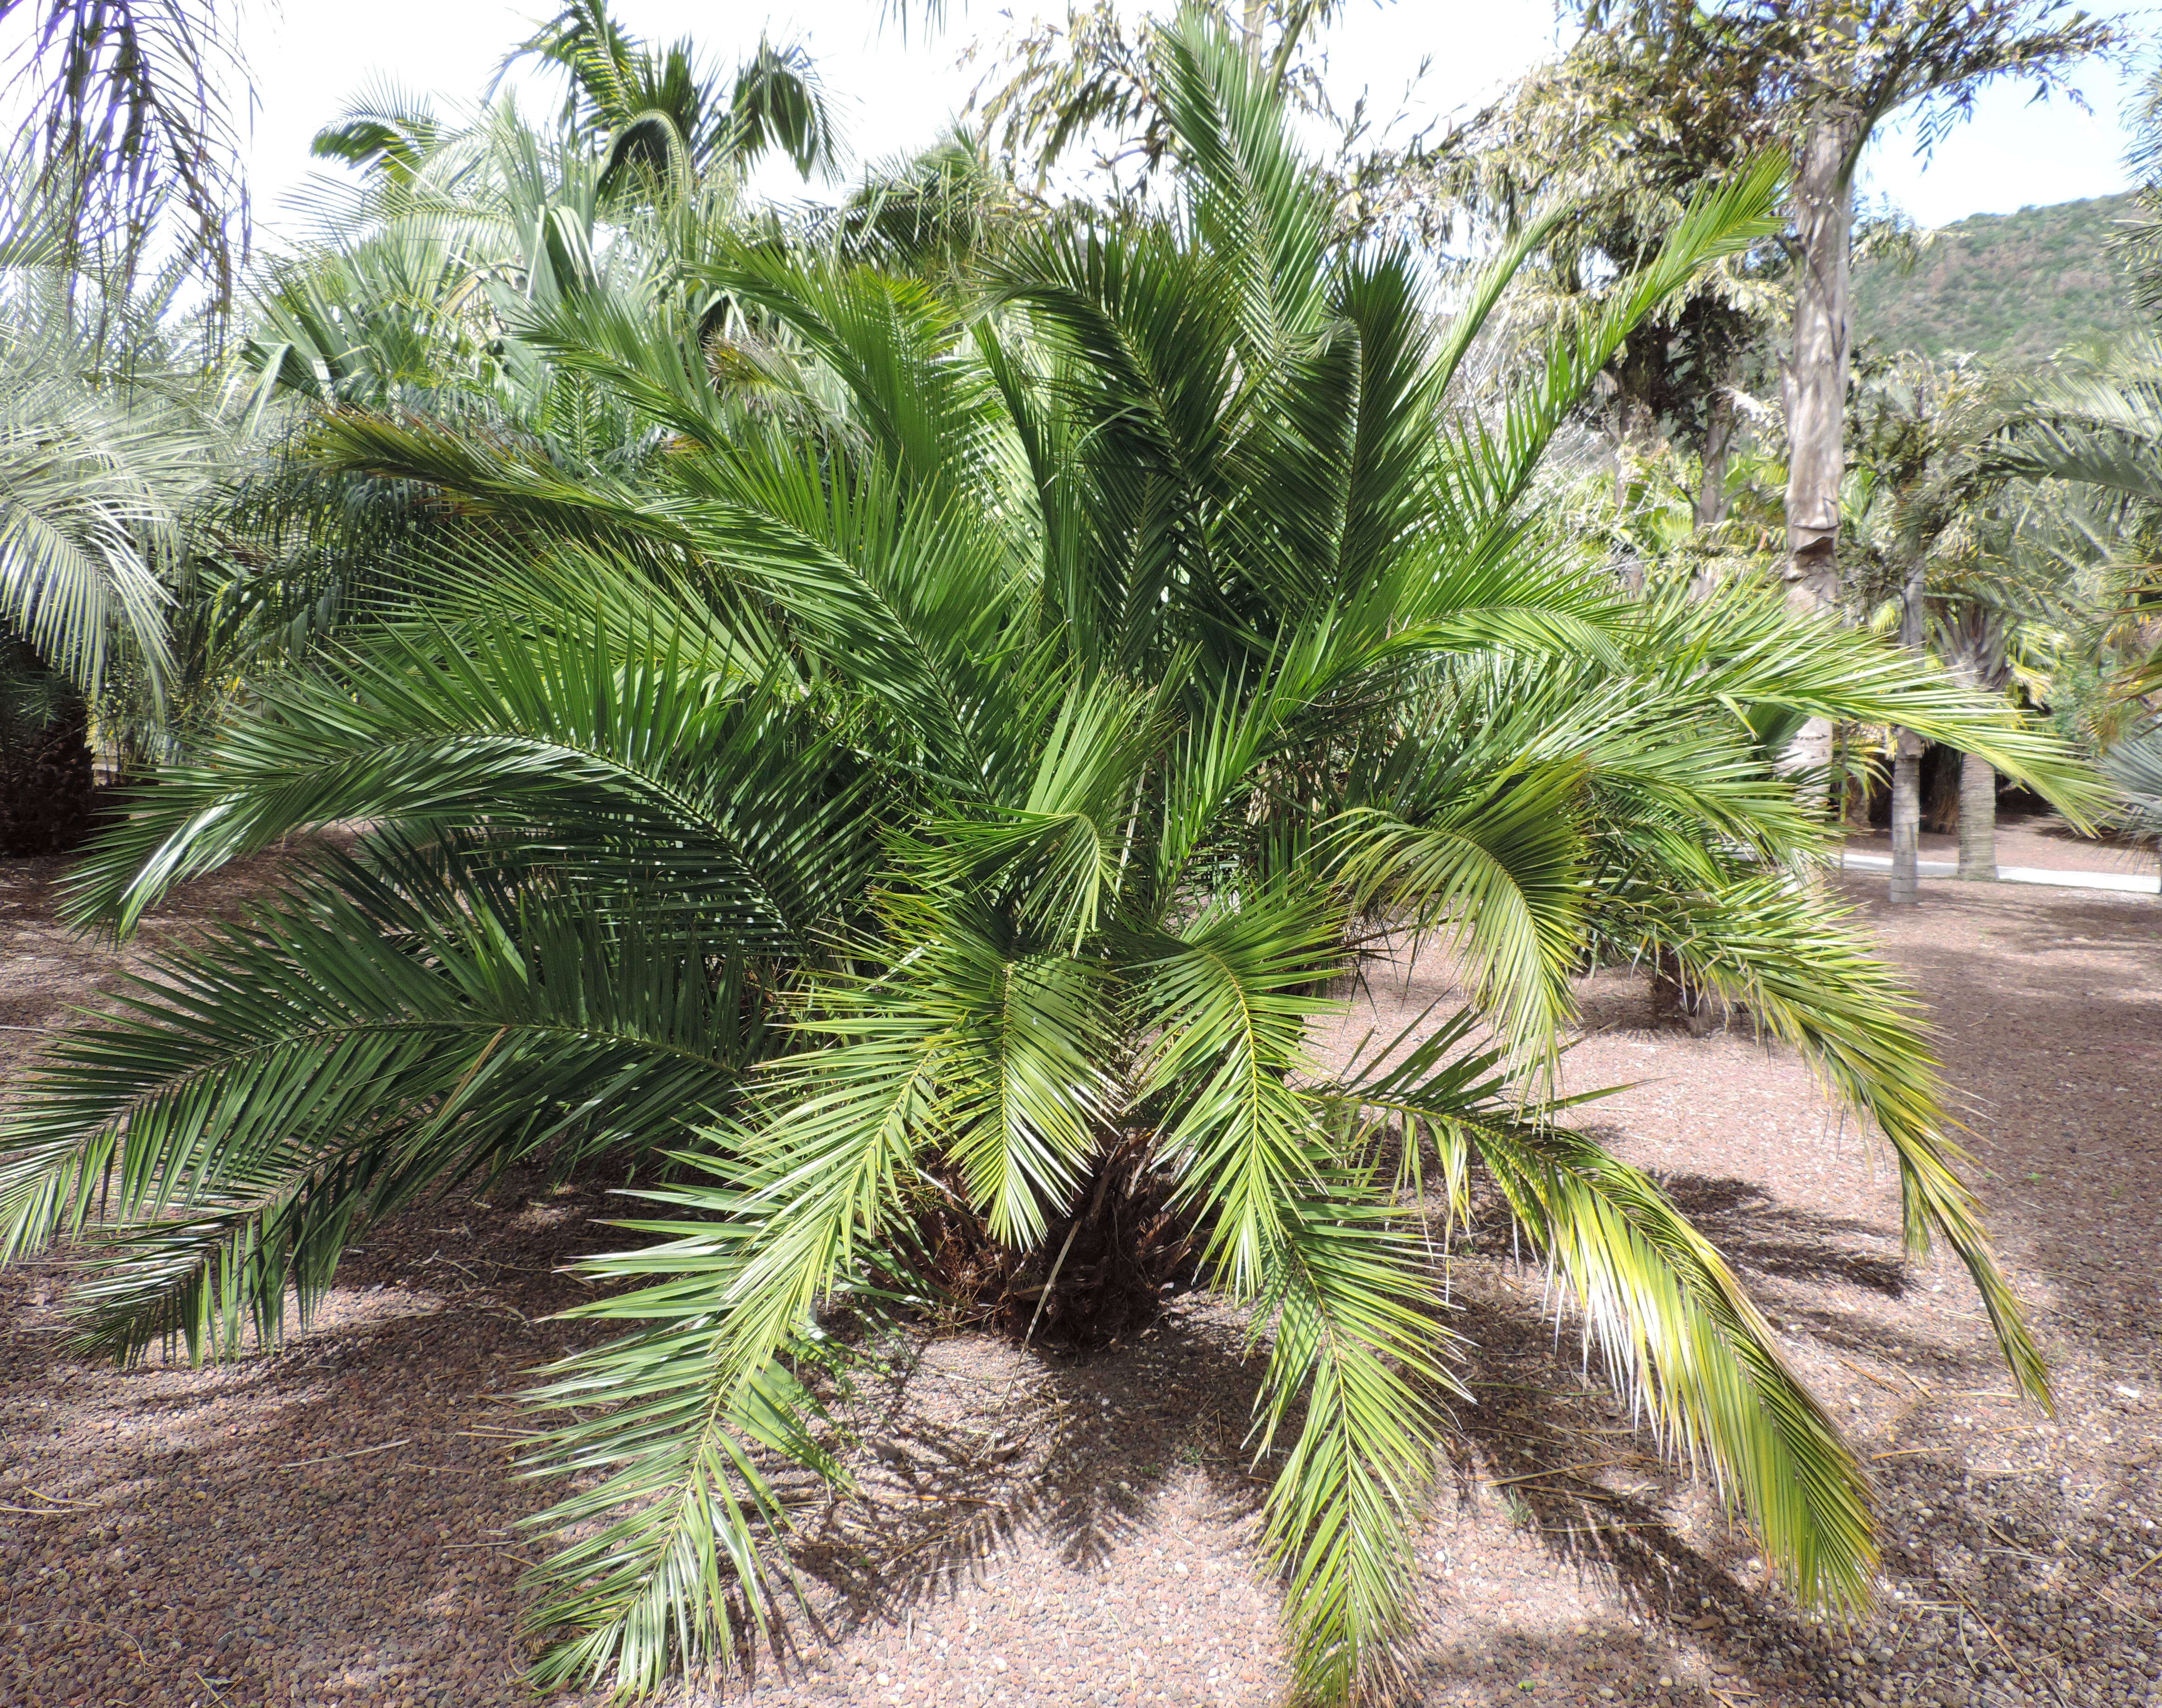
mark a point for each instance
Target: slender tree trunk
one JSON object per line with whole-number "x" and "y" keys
{"x": 1974, "y": 650}
{"x": 1814, "y": 384}
{"x": 1718, "y": 443}
{"x": 1711, "y": 484}
{"x": 1907, "y": 817}
{"x": 1977, "y": 823}
{"x": 1907, "y": 758}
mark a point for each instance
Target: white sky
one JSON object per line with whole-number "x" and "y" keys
{"x": 309, "y": 56}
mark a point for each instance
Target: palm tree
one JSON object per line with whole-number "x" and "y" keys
{"x": 1919, "y": 519}
{"x": 109, "y": 447}
{"x": 2095, "y": 420}
{"x": 941, "y": 779}
{"x": 658, "y": 112}
{"x": 126, "y": 119}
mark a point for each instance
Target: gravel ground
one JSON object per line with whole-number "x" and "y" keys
{"x": 333, "y": 1523}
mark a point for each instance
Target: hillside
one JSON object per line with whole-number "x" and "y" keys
{"x": 2013, "y": 287}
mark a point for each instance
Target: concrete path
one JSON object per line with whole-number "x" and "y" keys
{"x": 2126, "y": 883}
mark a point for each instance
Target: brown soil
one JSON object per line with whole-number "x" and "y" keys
{"x": 335, "y": 1523}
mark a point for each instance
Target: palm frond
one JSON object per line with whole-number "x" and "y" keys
{"x": 1765, "y": 943}
{"x": 390, "y": 1028}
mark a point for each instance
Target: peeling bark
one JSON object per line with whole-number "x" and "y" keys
{"x": 1815, "y": 377}
{"x": 1814, "y": 386}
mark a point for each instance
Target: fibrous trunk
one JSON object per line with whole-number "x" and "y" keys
{"x": 1977, "y": 818}
{"x": 1101, "y": 1273}
{"x": 1676, "y": 995}
{"x": 47, "y": 779}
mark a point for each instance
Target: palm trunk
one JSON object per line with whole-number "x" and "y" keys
{"x": 1906, "y": 818}
{"x": 1814, "y": 385}
{"x": 47, "y": 781}
{"x": 1977, "y": 818}
{"x": 1974, "y": 650}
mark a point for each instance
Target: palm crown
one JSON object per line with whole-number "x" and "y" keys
{"x": 965, "y": 749}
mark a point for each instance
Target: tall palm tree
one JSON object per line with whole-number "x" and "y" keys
{"x": 1918, "y": 520}
{"x": 945, "y": 774}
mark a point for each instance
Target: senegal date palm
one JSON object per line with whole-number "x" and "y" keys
{"x": 966, "y": 749}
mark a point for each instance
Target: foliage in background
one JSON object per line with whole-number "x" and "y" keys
{"x": 2015, "y": 287}
{"x": 113, "y": 456}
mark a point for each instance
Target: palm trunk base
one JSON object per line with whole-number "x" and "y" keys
{"x": 1674, "y": 998}
{"x": 1093, "y": 1279}
{"x": 48, "y": 797}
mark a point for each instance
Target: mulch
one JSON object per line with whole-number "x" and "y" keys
{"x": 336, "y": 1523}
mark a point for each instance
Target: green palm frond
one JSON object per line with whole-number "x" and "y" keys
{"x": 1491, "y": 469}
{"x": 1740, "y": 651}
{"x": 707, "y": 784}
{"x": 94, "y": 486}
{"x": 808, "y": 1193}
{"x": 392, "y": 1025}
{"x": 1671, "y": 1324}
{"x": 1315, "y": 1248}
{"x": 1764, "y": 942}
{"x": 2134, "y": 766}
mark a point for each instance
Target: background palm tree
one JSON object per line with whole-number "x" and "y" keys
{"x": 659, "y": 111}
{"x": 128, "y": 123}
{"x": 1918, "y": 528}
{"x": 110, "y": 446}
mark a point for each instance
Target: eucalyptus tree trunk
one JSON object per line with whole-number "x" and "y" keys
{"x": 1718, "y": 443}
{"x": 1977, "y": 823}
{"x": 1815, "y": 382}
{"x": 1973, "y": 639}
{"x": 1907, "y": 761}
{"x": 1906, "y": 817}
